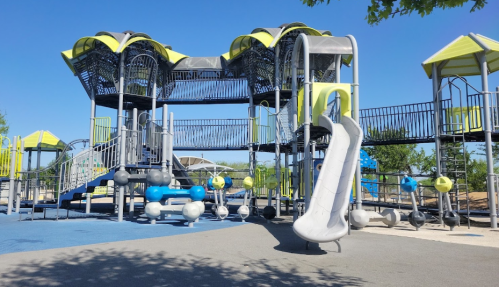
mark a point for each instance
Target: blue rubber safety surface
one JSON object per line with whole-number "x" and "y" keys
{"x": 83, "y": 229}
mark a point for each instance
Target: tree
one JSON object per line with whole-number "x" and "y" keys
{"x": 383, "y": 9}
{"x": 4, "y": 128}
{"x": 402, "y": 157}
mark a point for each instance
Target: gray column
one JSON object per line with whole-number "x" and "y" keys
{"x": 122, "y": 167}
{"x": 488, "y": 141}
{"x": 436, "y": 107}
{"x": 19, "y": 182}
{"x": 294, "y": 144}
{"x": 88, "y": 202}
{"x": 12, "y": 178}
{"x": 170, "y": 144}
{"x": 164, "y": 139}
{"x": 355, "y": 84}
{"x": 277, "y": 133}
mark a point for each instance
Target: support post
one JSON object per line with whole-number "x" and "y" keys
{"x": 302, "y": 42}
{"x": 19, "y": 181}
{"x": 122, "y": 167}
{"x": 355, "y": 84}
{"x": 119, "y": 122}
{"x": 170, "y": 144}
{"x": 488, "y": 141}
{"x": 88, "y": 202}
{"x": 277, "y": 133}
{"x": 164, "y": 139}
{"x": 436, "y": 107}
{"x": 37, "y": 188}
{"x": 12, "y": 178}
{"x": 294, "y": 144}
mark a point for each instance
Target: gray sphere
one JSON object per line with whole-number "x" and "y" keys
{"x": 391, "y": 217}
{"x": 417, "y": 219}
{"x": 167, "y": 179}
{"x": 154, "y": 177}
{"x": 121, "y": 177}
{"x": 222, "y": 212}
{"x": 153, "y": 209}
{"x": 243, "y": 211}
{"x": 359, "y": 218}
{"x": 191, "y": 211}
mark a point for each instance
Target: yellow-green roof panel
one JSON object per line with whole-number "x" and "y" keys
{"x": 86, "y": 44}
{"x": 43, "y": 139}
{"x": 242, "y": 43}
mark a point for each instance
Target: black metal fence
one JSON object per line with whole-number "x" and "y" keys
{"x": 398, "y": 124}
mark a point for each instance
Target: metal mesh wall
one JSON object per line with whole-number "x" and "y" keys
{"x": 98, "y": 71}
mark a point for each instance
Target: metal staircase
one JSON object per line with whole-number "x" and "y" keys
{"x": 90, "y": 168}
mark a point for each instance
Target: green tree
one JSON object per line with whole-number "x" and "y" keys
{"x": 383, "y": 9}
{"x": 402, "y": 157}
{"x": 4, "y": 127}
{"x": 477, "y": 175}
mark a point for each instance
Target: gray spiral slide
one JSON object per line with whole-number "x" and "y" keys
{"x": 324, "y": 220}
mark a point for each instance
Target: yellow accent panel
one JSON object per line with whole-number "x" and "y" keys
{"x": 102, "y": 130}
{"x": 301, "y": 113}
{"x": 4, "y": 157}
{"x": 471, "y": 115}
{"x": 226, "y": 56}
{"x": 320, "y": 95}
{"x": 67, "y": 56}
{"x": 306, "y": 30}
{"x": 242, "y": 43}
{"x": 86, "y": 44}
{"x": 168, "y": 55}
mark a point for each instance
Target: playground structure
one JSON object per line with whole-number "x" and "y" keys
{"x": 294, "y": 70}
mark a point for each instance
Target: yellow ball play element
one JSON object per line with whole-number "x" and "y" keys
{"x": 271, "y": 182}
{"x": 443, "y": 184}
{"x": 248, "y": 182}
{"x": 218, "y": 182}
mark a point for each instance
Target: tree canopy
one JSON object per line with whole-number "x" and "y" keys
{"x": 380, "y": 10}
{"x": 4, "y": 128}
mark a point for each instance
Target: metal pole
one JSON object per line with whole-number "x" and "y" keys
{"x": 488, "y": 142}
{"x": 277, "y": 133}
{"x": 303, "y": 41}
{"x": 19, "y": 181}
{"x": 122, "y": 167}
{"x": 121, "y": 91}
{"x": 337, "y": 77}
{"x": 37, "y": 188}
{"x": 91, "y": 146}
{"x": 355, "y": 84}
{"x": 28, "y": 177}
{"x": 10, "y": 201}
{"x": 170, "y": 143}
{"x": 164, "y": 138}
{"x": 294, "y": 145}
{"x": 436, "y": 107}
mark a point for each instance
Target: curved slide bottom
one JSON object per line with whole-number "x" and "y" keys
{"x": 324, "y": 221}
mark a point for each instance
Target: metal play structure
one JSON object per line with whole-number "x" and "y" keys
{"x": 294, "y": 71}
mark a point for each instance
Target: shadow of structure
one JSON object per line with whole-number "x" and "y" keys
{"x": 137, "y": 268}
{"x": 289, "y": 242}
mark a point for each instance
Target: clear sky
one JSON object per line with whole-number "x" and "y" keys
{"x": 39, "y": 92}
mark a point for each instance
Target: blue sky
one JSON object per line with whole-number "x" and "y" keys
{"x": 38, "y": 91}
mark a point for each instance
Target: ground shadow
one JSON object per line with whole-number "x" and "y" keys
{"x": 135, "y": 268}
{"x": 289, "y": 242}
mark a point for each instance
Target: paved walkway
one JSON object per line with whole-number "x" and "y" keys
{"x": 252, "y": 254}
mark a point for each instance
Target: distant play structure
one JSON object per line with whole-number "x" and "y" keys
{"x": 292, "y": 74}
